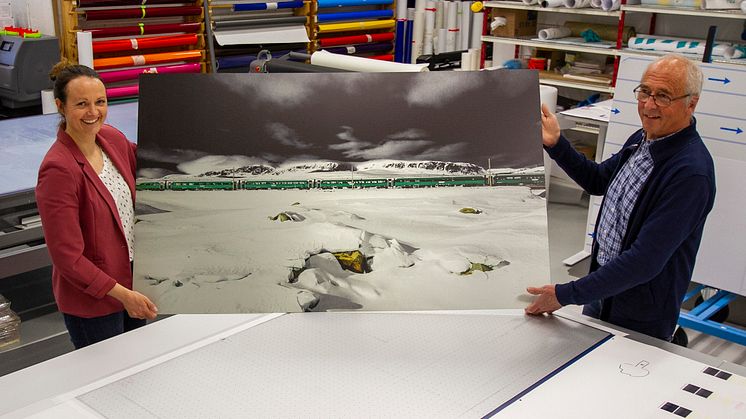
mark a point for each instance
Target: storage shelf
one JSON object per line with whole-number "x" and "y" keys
{"x": 550, "y": 45}
{"x": 521, "y": 6}
{"x": 686, "y": 11}
{"x": 547, "y": 77}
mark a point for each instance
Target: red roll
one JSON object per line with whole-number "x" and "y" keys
{"x": 356, "y": 39}
{"x": 143, "y": 12}
{"x": 143, "y": 29}
{"x": 134, "y": 44}
{"x": 107, "y": 3}
{"x": 384, "y": 57}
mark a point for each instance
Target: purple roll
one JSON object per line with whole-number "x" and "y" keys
{"x": 119, "y": 75}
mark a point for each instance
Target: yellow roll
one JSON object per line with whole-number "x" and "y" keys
{"x": 356, "y": 26}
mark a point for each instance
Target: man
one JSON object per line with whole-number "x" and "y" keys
{"x": 658, "y": 191}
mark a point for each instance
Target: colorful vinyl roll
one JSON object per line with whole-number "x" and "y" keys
{"x": 401, "y": 34}
{"x": 255, "y": 22}
{"x": 124, "y": 91}
{"x": 136, "y": 60}
{"x": 108, "y": 3}
{"x": 384, "y": 57}
{"x": 245, "y": 7}
{"x": 134, "y": 44}
{"x": 344, "y": 16}
{"x": 680, "y": 3}
{"x": 361, "y": 49}
{"x": 678, "y": 45}
{"x": 121, "y": 75}
{"x": 356, "y": 39}
{"x": 143, "y": 12}
{"x": 143, "y": 29}
{"x": 356, "y": 26}
{"x": 606, "y": 32}
{"x": 346, "y": 3}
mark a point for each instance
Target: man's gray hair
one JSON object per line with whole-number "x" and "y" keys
{"x": 694, "y": 77}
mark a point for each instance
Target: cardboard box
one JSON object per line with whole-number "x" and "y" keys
{"x": 519, "y": 23}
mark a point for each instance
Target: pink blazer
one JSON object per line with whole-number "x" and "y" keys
{"x": 81, "y": 224}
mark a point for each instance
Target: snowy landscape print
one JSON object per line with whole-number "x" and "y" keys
{"x": 348, "y": 191}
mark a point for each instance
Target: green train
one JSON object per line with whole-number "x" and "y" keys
{"x": 531, "y": 180}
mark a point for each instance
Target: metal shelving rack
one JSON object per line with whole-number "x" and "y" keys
{"x": 527, "y": 41}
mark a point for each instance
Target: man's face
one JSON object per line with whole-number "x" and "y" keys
{"x": 669, "y": 78}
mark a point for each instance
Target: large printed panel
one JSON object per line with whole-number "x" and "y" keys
{"x": 318, "y": 192}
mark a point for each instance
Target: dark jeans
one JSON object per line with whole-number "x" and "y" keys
{"x": 84, "y": 332}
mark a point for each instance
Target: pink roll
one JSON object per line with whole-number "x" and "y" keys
{"x": 124, "y": 91}
{"x": 119, "y": 75}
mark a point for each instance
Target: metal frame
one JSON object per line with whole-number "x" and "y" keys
{"x": 699, "y": 317}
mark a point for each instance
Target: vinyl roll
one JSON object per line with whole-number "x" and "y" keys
{"x": 134, "y": 44}
{"x": 365, "y": 65}
{"x": 124, "y": 91}
{"x": 285, "y": 66}
{"x": 596, "y": 4}
{"x": 577, "y": 4}
{"x": 360, "y": 15}
{"x": 244, "y": 7}
{"x": 48, "y": 105}
{"x": 552, "y": 3}
{"x": 133, "y": 74}
{"x": 249, "y": 23}
{"x": 477, "y": 22}
{"x": 451, "y": 26}
{"x": 418, "y": 30}
{"x": 361, "y": 48}
{"x": 143, "y": 12}
{"x": 464, "y": 29}
{"x": 606, "y": 32}
{"x": 346, "y": 3}
{"x": 384, "y": 57}
{"x": 401, "y": 34}
{"x": 721, "y": 4}
{"x": 356, "y": 26}
{"x": 440, "y": 42}
{"x": 430, "y": 9}
{"x": 235, "y": 61}
{"x": 137, "y": 60}
{"x": 679, "y": 3}
{"x": 678, "y": 45}
{"x": 356, "y": 39}
{"x": 610, "y": 5}
{"x": 85, "y": 48}
{"x": 143, "y": 29}
{"x": 554, "y": 33}
{"x": 109, "y": 3}
{"x": 262, "y": 35}
{"x": 530, "y": 2}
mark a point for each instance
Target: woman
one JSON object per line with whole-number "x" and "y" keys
{"x": 85, "y": 195}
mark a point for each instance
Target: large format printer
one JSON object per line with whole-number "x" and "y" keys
{"x": 24, "y": 68}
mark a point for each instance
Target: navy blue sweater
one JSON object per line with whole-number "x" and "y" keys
{"x": 643, "y": 287}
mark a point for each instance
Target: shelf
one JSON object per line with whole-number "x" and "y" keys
{"x": 686, "y": 11}
{"x": 550, "y": 45}
{"x": 553, "y": 79}
{"x": 521, "y": 6}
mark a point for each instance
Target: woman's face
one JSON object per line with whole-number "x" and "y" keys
{"x": 85, "y": 108}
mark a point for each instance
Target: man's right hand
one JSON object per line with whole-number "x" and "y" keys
{"x": 550, "y": 128}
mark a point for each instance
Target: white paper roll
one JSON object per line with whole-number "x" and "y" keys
{"x": 364, "y": 65}
{"x": 530, "y": 2}
{"x": 476, "y": 56}
{"x": 465, "y": 23}
{"x": 427, "y": 48}
{"x": 401, "y": 10}
{"x": 440, "y": 13}
{"x": 85, "y": 48}
{"x": 743, "y": 6}
{"x": 548, "y": 96}
{"x": 440, "y": 43}
{"x": 610, "y": 5}
{"x": 477, "y": 21}
{"x": 552, "y": 3}
{"x": 554, "y": 33}
{"x": 418, "y": 30}
{"x": 451, "y": 10}
{"x": 466, "y": 61}
{"x": 596, "y": 4}
{"x": 577, "y": 4}
{"x": 47, "y": 102}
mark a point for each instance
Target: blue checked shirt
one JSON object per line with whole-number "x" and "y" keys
{"x": 620, "y": 200}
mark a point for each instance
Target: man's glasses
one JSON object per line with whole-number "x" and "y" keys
{"x": 662, "y": 100}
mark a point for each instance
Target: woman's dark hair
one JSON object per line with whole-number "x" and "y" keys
{"x": 63, "y": 72}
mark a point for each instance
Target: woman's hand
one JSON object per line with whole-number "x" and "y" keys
{"x": 137, "y": 305}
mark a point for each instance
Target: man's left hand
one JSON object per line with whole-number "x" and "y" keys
{"x": 546, "y": 301}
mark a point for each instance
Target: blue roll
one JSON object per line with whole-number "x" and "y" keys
{"x": 368, "y": 14}
{"x": 401, "y": 35}
{"x": 408, "y": 42}
{"x": 267, "y": 6}
{"x": 235, "y": 61}
{"x": 345, "y": 3}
